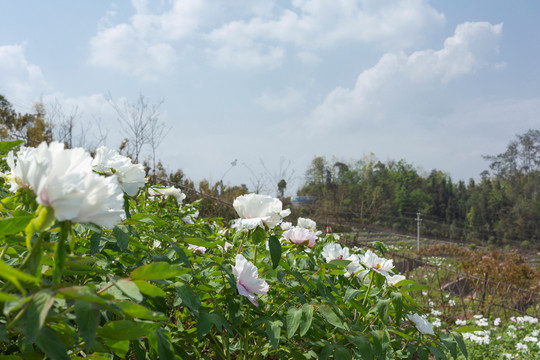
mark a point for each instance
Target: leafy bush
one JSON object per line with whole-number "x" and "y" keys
{"x": 163, "y": 283}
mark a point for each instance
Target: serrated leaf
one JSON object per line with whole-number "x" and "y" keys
{"x": 275, "y": 250}
{"x": 382, "y": 309}
{"x": 364, "y": 347}
{"x": 294, "y": 315}
{"x": 307, "y": 318}
{"x": 87, "y": 315}
{"x": 350, "y": 293}
{"x": 164, "y": 347}
{"x": 258, "y": 235}
{"x": 157, "y": 271}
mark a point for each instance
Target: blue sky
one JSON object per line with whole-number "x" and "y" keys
{"x": 275, "y": 83}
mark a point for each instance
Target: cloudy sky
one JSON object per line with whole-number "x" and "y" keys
{"x": 274, "y": 83}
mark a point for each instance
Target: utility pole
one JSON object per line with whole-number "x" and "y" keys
{"x": 418, "y": 221}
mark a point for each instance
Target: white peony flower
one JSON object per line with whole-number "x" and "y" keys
{"x": 167, "y": 192}
{"x": 374, "y": 262}
{"x": 195, "y": 248}
{"x": 421, "y": 324}
{"x": 285, "y": 225}
{"x": 307, "y": 224}
{"x": 131, "y": 176}
{"x": 334, "y": 251}
{"x": 258, "y": 210}
{"x": 394, "y": 279}
{"x": 64, "y": 181}
{"x": 247, "y": 279}
{"x": 298, "y": 235}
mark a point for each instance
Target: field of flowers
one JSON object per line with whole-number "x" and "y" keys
{"x": 95, "y": 263}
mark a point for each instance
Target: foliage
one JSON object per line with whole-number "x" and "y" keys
{"x": 501, "y": 208}
{"x": 161, "y": 285}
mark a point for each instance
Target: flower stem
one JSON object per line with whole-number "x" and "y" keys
{"x": 369, "y": 287}
{"x": 60, "y": 254}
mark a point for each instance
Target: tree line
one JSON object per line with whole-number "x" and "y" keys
{"x": 502, "y": 207}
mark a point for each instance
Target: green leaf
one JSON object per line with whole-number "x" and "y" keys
{"x": 350, "y": 294}
{"x": 8, "y": 145}
{"x": 130, "y": 289}
{"x": 48, "y": 342}
{"x": 307, "y": 318}
{"x": 342, "y": 353}
{"x": 126, "y": 329}
{"x": 121, "y": 234}
{"x": 459, "y": 339}
{"x": 134, "y": 310}
{"x": 273, "y": 330}
{"x": 97, "y": 243}
{"x": 337, "y": 264}
{"x": 294, "y": 315}
{"x": 199, "y": 242}
{"x": 397, "y": 301}
{"x": 382, "y": 309}
{"x": 157, "y": 271}
{"x": 437, "y": 353}
{"x": 87, "y": 315}
{"x": 7, "y": 297}
{"x": 364, "y": 347}
{"x": 118, "y": 347}
{"x": 189, "y": 298}
{"x": 82, "y": 293}
{"x": 204, "y": 324}
{"x": 13, "y": 275}
{"x": 258, "y": 235}
{"x": 149, "y": 289}
{"x": 14, "y": 225}
{"x": 164, "y": 347}
{"x": 275, "y": 250}
{"x": 37, "y": 313}
{"x": 378, "y": 343}
{"x": 326, "y": 351}
{"x": 450, "y": 343}
{"x": 330, "y": 316}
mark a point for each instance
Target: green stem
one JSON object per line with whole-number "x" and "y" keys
{"x": 60, "y": 254}
{"x": 369, "y": 287}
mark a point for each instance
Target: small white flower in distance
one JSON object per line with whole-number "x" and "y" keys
{"x": 461, "y": 322}
{"x": 63, "y": 180}
{"x": 195, "y": 248}
{"x": 307, "y": 224}
{"x": 285, "y": 225}
{"x": 247, "y": 279}
{"x": 168, "y": 192}
{"x": 394, "y": 279}
{"x": 258, "y": 210}
{"x": 300, "y": 236}
{"x": 421, "y": 324}
{"x": 131, "y": 176}
{"x": 225, "y": 246}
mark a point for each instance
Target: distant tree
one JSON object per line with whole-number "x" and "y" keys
{"x": 521, "y": 156}
{"x": 140, "y": 123}
{"x": 282, "y": 185}
{"x": 32, "y": 128}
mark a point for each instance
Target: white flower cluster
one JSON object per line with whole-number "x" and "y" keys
{"x": 479, "y": 337}
{"x": 131, "y": 176}
{"x": 63, "y": 180}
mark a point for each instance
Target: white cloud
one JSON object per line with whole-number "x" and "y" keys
{"x": 397, "y": 76}
{"x": 144, "y": 47}
{"x": 289, "y": 100}
{"x": 322, "y": 24}
{"x": 20, "y": 80}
